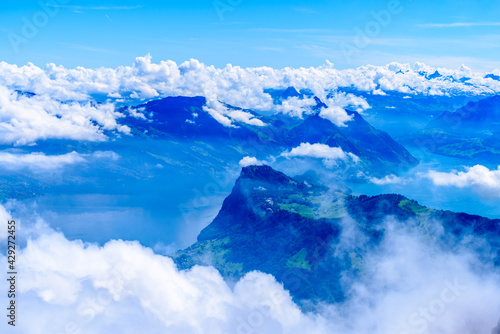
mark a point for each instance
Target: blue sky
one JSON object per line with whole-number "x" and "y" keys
{"x": 251, "y": 32}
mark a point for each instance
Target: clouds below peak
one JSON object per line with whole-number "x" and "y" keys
{"x": 250, "y": 161}
{"x": 480, "y": 178}
{"x": 234, "y": 85}
{"x": 61, "y": 108}
{"x": 127, "y": 282}
{"x": 336, "y": 115}
{"x": 26, "y": 119}
{"x": 388, "y": 179}
{"x": 226, "y": 116}
{"x": 320, "y": 151}
{"x": 126, "y": 287}
{"x": 40, "y": 162}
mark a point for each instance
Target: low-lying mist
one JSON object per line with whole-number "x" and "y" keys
{"x": 414, "y": 281}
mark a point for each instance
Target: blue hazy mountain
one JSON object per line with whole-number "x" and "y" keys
{"x": 166, "y": 149}
{"x": 279, "y": 95}
{"x": 185, "y": 118}
{"x": 479, "y": 118}
{"x": 291, "y": 228}
{"x": 492, "y": 76}
{"x": 434, "y": 75}
{"x": 471, "y": 132}
{"x": 402, "y": 113}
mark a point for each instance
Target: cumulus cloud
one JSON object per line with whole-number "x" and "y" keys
{"x": 41, "y": 163}
{"x": 345, "y": 101}
{"x": 137, "y": 112}
{"x": 226, "y": 116}
{"x": 379, "y": 92}
{"x": 478, "y": 177}
{"x": 126, "y": 287}
{"x": 336, "y": 102}
{"x": 296, "y": 107}
{"x": 241, "y": 87}
{"x": 250, "y": 161}
{"x": 336, "y": 115}
{"x": 388, "y": 179}
{"x": 410, "y": 284}
{"x": 407, "y": 284}
{"x": 4, "y": 218}
{"x": 26, "y": 119}
{"x": 320, "y": 151}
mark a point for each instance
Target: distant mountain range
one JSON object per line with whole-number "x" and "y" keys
{"x": 185, "y": 118}
{"x": 471, "y": 132}
{"x": 291, "y": 227}
{"x": 479, "y": 118}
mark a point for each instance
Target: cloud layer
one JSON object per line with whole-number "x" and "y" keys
{"x": 250, "y": 161}
{"x": 127, "y": 287}
{"x": 407, "y": 284}
{"x": 42, "y": 163}
{"x": 242, "y": 87}
{"x": 479, "y": 178}
{"x": 61, "y": 107}
{"x": 26, "y": 119}
{"x": 388, "y": 179}
{"x": 320, "y": 151}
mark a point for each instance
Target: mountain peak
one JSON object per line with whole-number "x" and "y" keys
{"x": 475, "y": 116}
{"x": 264, "y": 173}
{"x": 492, "y": 76}
{"x": 434, "y": 75}
{"x": 291, "y": 92}
{"x": 289, "y": 230}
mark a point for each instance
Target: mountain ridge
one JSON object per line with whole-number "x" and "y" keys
{"x": 185, "y": 117}
{"x": 470, "y": 132}
{"x": 289, "y": 228}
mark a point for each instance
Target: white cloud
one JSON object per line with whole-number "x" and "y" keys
{"x": 407, "y": 285}
{"x": 128, "y": 287}
{"x": 296, "y": 107}
{"x": 219, "y": 117}
{"x": 245, "y": 117}
{"x": 347, "y": 101}
{"x": 226, "y": 116}
{"x": 331, "y": 156}
{"x": 24, "y": 120}
{"x": 379, "y": 92}
{"x": 107, "y": 155}
{"x": 478, "y": 177}
{"x": 335, "y": 103}
{"x": 320, "y": 151}
{"x": 336, "y": 115}
{"x": 41, "y": 163}
{"x": 5, "y": 217}
{"x": 250, "y": 161}
{"x": 136, "y": 112}
{"x": 388, "y": 179}
{"x": 237, "y": 86}
{"x": 412, "y": 285}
